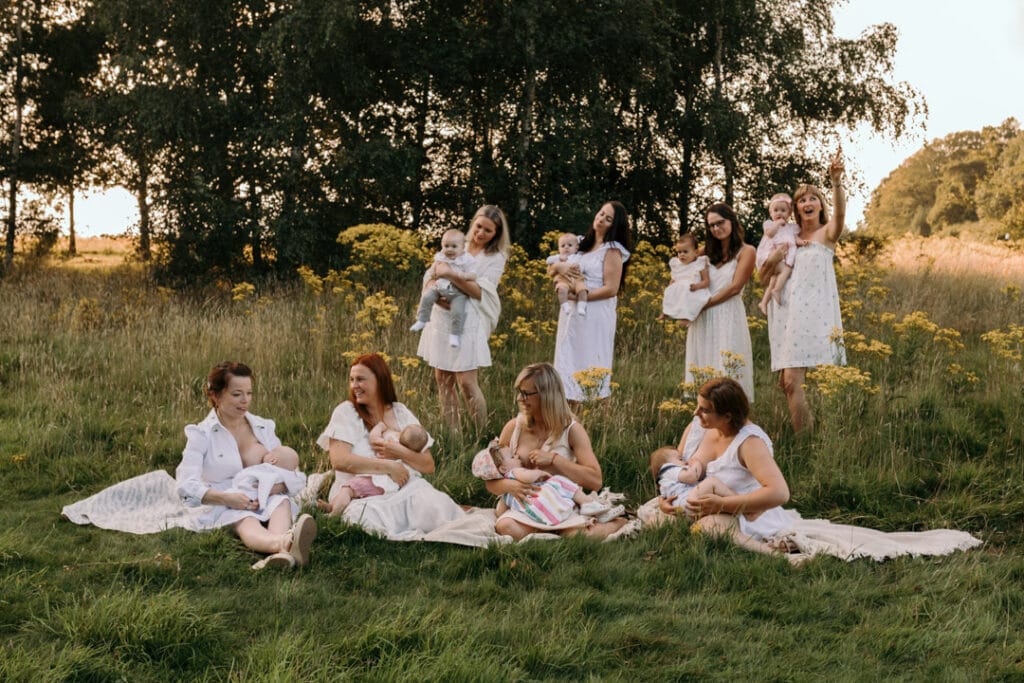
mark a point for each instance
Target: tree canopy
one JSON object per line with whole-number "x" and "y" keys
{"x": 959, "y": 179}
{"x": 252, "y": 133}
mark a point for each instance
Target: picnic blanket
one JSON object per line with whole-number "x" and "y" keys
{"x": 146, "y": 504}
{"x": 849, "y": 542}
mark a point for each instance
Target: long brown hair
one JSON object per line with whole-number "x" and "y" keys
{"x": 712, "y": 245}
{"x": 618, "y": 232}
{"x": 385, "y": 385}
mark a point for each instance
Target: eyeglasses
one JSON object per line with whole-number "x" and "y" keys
{"x": 719, "y": 223}
{"x": 525, "y": 394}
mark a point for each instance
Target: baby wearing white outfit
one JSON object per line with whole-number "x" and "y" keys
{"x": 570, "y": 284}
{"x": 778, "y": 232}
{"x": 689, "y": 291}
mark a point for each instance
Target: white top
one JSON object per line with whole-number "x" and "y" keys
{"x": 556, "y": 258}
{"x": 211, "y": 458}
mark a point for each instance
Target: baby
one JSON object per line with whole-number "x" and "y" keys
{"x": 689, "y": 290}
{"x": 558, "y": 495}
{"x": 453, "y": 252}
{"x": 569, "y": 285}
{"x": 778, "y": 232}
{"x": 413, "y": 437}
{"x": 258, "y": 478}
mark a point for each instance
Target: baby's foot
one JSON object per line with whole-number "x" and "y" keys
{"x": 661, "y": 317}
{"x": 581, "y": 308}
{"x": 567, "y": 307}
{"x": 593, "y": 508}
{"x": 323, "y": 505}
{"x": 453, "y": 341}
{"x": 417, "y": 326}
{"x": 763, "y": 306}
{"x": 777, "y": 295}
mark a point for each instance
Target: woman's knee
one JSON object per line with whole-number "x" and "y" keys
{"x": 792, "y": 383}
{"x": 510, "y": 527}
{"x": 444, "y": 379}
{"x": 467, "y": 382}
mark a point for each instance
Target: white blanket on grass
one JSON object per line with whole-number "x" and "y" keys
{"x": 849, "y": 542}
{"x": 146, "y": 504}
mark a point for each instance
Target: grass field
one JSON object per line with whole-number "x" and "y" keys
{"x": 100, "y": 369}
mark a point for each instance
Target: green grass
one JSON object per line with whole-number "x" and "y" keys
{"x": 100, "y": 371}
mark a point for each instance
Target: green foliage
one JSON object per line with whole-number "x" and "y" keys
{"x": 956, "y": 180}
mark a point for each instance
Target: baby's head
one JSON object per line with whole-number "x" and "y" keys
{"x": 414, "y": 438}
{"x": 284, "y": 457}
{"x": 780, "y": 206}
{"x": 503, "y": 457}
{"x": 568, "y": 244}
{"x": 662, "y": 457}
{"x": 493, "y": 461}
{"x": 453, "y": 243}
{"x": 686, "y": 247}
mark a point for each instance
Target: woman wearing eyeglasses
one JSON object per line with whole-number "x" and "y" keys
{"x": 719, "y": 338}
{"x": 546, "y": 436}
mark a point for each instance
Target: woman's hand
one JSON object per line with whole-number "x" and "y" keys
{"x": 836, "y": 167}
{"x": 396, "y": 470}
{"x": 239, "y": 501}
{"x": 540, "y": 457}
{"x": 442, "y": 269}
{"x": 702, "y": 506}
{"x": 377, "y": 443}
{"x": 666, "y": 506}
{"x": 521, "y": 491}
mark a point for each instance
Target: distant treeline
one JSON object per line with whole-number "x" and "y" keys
{"x": 252, "y": 133}
{"x": 962, "y": 178}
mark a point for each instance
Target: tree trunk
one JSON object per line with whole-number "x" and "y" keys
{"x": 418, "y": 199}
{"x": 142, "y": 196}
{"x": 19, "y": 103}
{"x": 255, "y": 236}
{"x": 72, "y": 247}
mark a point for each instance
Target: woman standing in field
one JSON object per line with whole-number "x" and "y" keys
{"x": 806, "y": 329}
{"x": 416, "y": 507}
{"x": 218, "y": 448}
{"x": 488, "y": 242}
{"x": 722, "y": 442}
{"x": 588, "y": 340}
{"x": 719, "y": 337}
{"x": 546, "y": 436}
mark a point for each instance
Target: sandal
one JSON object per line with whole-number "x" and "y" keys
{"x": 276, "y": 561}
{"x": 303, "y": 533}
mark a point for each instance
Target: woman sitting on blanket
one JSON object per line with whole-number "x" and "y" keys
{"x": 221, "y": 452}
{"x": 378, "y": 481}
{"x": 545, "y": 436}
{"x": 744, "y": 488}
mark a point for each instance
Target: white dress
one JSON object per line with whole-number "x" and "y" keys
{"x": 474, "y": 351}
{"x": 588, "y": 340}
{"x": 413, "y": 510}
{"x": 730, "y": 471}
{"x": 722, "y": 328}
{"x": 680, "y": 302}
{"x": 805, "y": 329}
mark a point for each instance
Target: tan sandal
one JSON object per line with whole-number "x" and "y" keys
{"x": 303, "y": 533}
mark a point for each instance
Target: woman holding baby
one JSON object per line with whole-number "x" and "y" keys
{"x": 456, "y": 367}
{"x": 742, "y": 489}
{"x": 379, "y": 452}
{"x": 232, "y": 440}
{"x": 546, "y": 436}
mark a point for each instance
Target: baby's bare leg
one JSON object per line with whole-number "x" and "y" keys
{"x": 562, "y": 290}
{"x": 782, "y": 274}
{"x": 338, "y": 503}
{"x": 581, "y": 291}
{"x": 768, "y": 293}
{"x": 720, "y": 524}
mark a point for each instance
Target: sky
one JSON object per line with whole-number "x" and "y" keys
{"x": 965, "y": 58}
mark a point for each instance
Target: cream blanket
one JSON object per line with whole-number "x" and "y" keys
{"x": 848, "y": 542}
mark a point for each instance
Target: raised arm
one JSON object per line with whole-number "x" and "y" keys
{"x": 834, "y": 228}
{"x": 744, "y": 269}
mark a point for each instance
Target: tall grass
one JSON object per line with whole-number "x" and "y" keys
{"x": 99, "y": 371}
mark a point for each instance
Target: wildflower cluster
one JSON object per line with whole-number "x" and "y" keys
{"x": 594, "y": 381}
{"x": 832, "y": 380}
{"x": 1008, "y": 344}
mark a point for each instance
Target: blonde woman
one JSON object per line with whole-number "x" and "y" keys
{"x": 546, "y": 436}
{"x": 456, "y": 367}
